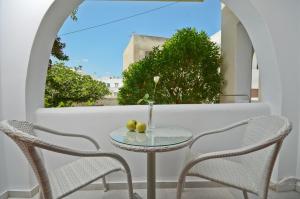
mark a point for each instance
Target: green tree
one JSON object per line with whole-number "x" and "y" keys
{"x": 188, "y": 65}
{"x": 67, "y": 87}
{"x": 58, "y": 51}
{"x": 58, "y": 46}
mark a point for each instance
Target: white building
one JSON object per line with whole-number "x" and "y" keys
{"x": 217, "y": 38}
{"x": 113, "y": 83}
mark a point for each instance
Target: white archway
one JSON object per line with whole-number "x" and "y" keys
{"x": 60, "y": 10}
{"x": 263, "y": 45}
{"x": 40, "y": 51}
{"x": 29, "y": 27}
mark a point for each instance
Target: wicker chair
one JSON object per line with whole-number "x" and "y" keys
{"x": 69, "y": 178}
{"x": 248, "y": 168}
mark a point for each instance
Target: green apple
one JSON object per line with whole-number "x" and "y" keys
{"x": 131, "y": 124}
{"x": 141, "y": 127}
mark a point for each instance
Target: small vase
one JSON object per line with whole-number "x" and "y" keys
{"x": 150, "y": 115}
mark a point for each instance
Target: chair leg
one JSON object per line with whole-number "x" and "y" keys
{"x": 106, "y": 188}
{"x": 128, "y": 174}
{"x": 129, "y": 182}
{"x": 245, "y": 194}
{"x": 180, "y": 185}
{"x": 183, "y": 183}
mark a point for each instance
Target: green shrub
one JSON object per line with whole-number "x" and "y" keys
{"x": 67, "y": 87}
{"x": 188, "y": 65}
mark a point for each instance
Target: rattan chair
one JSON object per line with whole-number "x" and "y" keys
{"x": 92, "y": 165}
{"x": 248, "y": 168}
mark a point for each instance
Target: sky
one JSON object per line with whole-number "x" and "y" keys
{"x": 100, "y": 50}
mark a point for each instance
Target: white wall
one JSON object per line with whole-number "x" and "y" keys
{"x": 297, "y": 28}
{"x": 276, "y": 36}
{"x": 237, "y": 53}
{"x": 243, "y": 61}
{"x": 298, "y": 167}
{"x": 3, "y": 177}
{"x": 263, "y": 44}
{"x": 228, "y": 45}
{"x": 99, "y": 121}
{"x": 284, "y": 33}
{"x": 27, "y": 30}
{"x": 19, "y": 23}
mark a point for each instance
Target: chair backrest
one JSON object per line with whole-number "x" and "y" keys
{"x": 258, "y": 131}
{"x": 22, "y": 133}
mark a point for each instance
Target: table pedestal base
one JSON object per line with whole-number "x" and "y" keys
{"x": 178, "y": 138}
{"x": 151, "y": 175}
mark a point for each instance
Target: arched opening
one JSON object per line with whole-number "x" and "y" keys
{"x": 270, "y": 46}
{"x": 105, "y": 47}
{"x": 59, "y": 10}
{"x": 250, "y": 17}
{"x": 263, "y": 47}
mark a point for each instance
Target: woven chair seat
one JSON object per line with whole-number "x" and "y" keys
{"x": 69, "y": 178}
{"x": 224, "y": 170}
{"x": 248, "y": 167}
{"x": 79, "y": 173}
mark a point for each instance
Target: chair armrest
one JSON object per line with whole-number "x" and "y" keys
{"x": 235, "y": 152}
{"x": 55, "y": 132}
{"x": 216, "y": 131}
{"x": 37, "y": 142}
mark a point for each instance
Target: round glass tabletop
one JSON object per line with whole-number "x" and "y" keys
{"x": 157, "y": 137}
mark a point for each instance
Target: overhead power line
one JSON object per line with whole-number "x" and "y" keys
{"x": 119, "y": 19}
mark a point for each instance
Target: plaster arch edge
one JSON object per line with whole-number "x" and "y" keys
{"x": 263, "y": 44}
{"x": 50, "y": 23}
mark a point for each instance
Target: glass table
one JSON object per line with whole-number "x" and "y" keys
{"x": 156, "y": 140}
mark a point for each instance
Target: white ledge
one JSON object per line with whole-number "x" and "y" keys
{"x": 172, "y": 107}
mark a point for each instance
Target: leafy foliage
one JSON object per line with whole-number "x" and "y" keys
{"x": 67, "y": 87}
{"x": 57, "y": 50}
{"x": 188, "y": 65}
{"x": 73, "y": 15}
{"x": 58, "y": 46}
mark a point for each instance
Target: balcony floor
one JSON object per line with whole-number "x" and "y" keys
{"x": 201, "y": 193}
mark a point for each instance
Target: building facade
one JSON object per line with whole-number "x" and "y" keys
{"x": 113, "y": 84}
{"x": 139, "y": 46}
